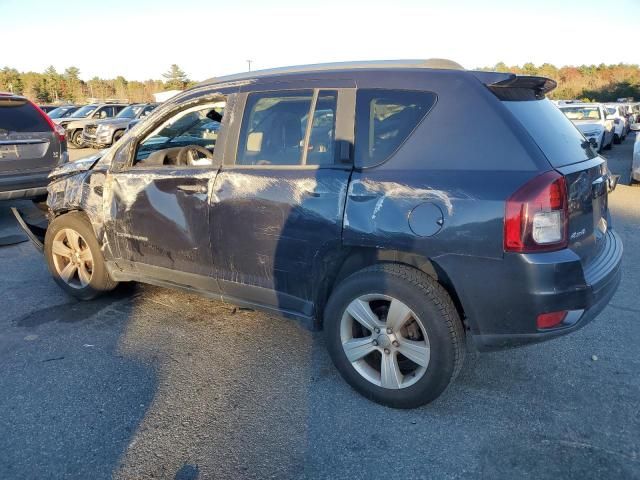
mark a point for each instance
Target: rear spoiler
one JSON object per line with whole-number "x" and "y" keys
{"x": 509, "y": 86}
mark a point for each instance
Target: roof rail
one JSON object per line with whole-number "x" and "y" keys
{"x": 434, "y": 63}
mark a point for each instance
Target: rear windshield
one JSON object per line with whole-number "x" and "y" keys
{"x": 557, "y": 137}
{"x": 21, "y": 117}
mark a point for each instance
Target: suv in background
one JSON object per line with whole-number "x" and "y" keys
{"x": 593, "y": 122}
{"x": 86, "y": 114}
{"x": 31, "y": 145}
{"x": 343, "y": 196}
{"x": 102, "y": 133}
{"x": 63, "y": 111}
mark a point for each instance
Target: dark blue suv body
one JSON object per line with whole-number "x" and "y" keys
{"x": 398, "y": 206}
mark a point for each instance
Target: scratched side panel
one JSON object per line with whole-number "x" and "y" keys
{"x": 276, "y": 229}
{"x": 472, "y": 204}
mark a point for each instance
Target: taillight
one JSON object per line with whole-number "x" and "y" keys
{"x": 57, "y": 129}
{"x": 536, "y": 216}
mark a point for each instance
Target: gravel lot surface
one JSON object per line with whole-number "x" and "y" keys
{"x": 155, "y": 383}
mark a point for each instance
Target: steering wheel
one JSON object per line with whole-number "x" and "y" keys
{"x": 193, "y": 155}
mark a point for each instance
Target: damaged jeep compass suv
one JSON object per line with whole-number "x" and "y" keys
{"x": 348, "y": 197}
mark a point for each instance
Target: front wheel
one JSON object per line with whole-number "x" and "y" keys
{"x": 76, "y": 139}
{"x": 394, "y": 335}
{"x": 74, "y": 257}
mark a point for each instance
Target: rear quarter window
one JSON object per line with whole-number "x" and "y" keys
{"x": 21, "y": 117}
{"x": 553, "y": 132}
{"x": 385, "y": 119}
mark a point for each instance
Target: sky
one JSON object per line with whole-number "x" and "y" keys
{"x": 140, "y": 39}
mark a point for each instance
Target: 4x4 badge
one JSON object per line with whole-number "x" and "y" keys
{"x": 578, "y": 234}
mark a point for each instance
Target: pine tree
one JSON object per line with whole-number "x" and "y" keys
{"x": 176, "y": 78}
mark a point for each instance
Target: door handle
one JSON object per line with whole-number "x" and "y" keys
{"x": 311, "y": 193}
{"x": 193, "y": 188}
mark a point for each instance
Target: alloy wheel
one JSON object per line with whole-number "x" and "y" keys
{"x": 72, "y": 258}
{"x": 385, "y": 341}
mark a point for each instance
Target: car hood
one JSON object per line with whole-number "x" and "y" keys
{"x": 71, "y": 168}
{"x": 58, "y": 121}
{"x": 114, "y": 122}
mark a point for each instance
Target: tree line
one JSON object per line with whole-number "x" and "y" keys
{"x": 600, "y": 83}
{"x": 54, "y": 87}
{"x": 594, "y": 83}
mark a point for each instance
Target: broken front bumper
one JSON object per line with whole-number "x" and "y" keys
{"x": 34, "y": 223}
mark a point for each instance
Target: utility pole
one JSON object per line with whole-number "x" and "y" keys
{"x": 249, "y": 63}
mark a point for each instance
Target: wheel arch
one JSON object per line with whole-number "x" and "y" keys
{"x": 358, "y": 258}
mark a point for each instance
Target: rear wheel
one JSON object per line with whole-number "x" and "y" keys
{"x": 74, "y": 257}
{"x": 394, "y": 335}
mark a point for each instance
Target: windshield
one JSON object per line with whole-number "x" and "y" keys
{"x": 130, "y": 112}
{"x": 85, "y": 111}
{"x": 581, "y": 113}
{"x": 559, "y": 139}
{"x": 61, "y": 112}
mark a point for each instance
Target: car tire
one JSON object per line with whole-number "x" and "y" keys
{"x": 117, "y": 136}
{"x": 76, "y": 139}
{"x": 74, "y": 257}
{"x": 437, "y": 344}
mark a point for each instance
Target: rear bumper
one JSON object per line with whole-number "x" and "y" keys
{"x": 24, "y": 186}
{"x": 504, "y": 301}
{"x": 24, "y": 193}
{"x": 600, "y": 297}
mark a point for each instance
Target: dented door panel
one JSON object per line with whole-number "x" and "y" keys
{"x": 161, "y": 217}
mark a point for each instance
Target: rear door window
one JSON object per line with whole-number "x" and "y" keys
{"x": 288, "y": 128}
{"x": 553, "y": 132}
{"x": 385, "y": 119}
{"x": 21, "y": 117}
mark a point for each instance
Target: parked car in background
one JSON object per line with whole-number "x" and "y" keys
{"x": 621, "y": 124}
{"x": 63, "y": 111}
{"x": 47, "y": 108}
{"x": 31, "y": 145}
{"x": 341, "y": 195}
{"x": 95, "y": 111}
{"x": 592, "y": 121}
{"x": 102, "y": 133}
